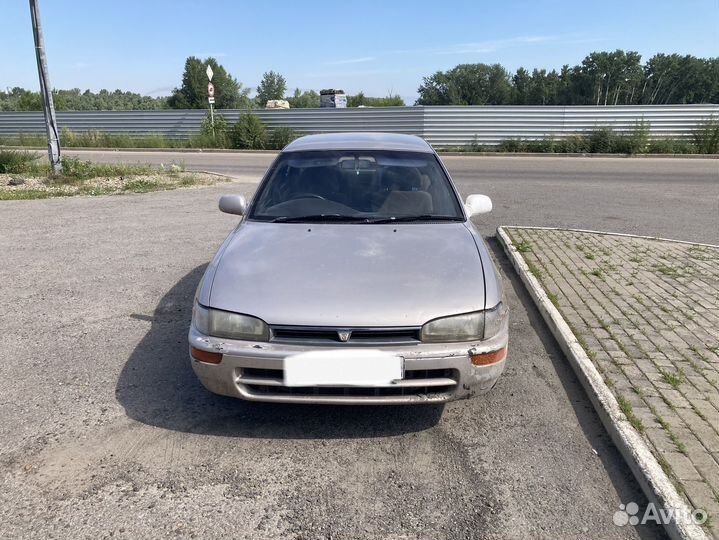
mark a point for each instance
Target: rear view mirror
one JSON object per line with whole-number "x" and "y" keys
{"x": 233, "y": 204}
{"x": 477, "y": 204}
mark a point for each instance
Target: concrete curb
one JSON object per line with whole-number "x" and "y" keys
{"x": 657, "y": 486}
{"x": 614, "y": 234}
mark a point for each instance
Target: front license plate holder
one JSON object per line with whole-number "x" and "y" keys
{"x": 357, "y": 367}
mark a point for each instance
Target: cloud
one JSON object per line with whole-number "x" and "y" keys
{"x": 350, "y": 61}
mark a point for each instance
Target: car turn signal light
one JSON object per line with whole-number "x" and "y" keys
{"x": 487, "y": 359}
{"x": 205, "y": 356}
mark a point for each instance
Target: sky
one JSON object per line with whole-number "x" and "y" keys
{"x": 376, "y": 47}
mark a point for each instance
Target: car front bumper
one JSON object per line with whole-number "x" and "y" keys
{"x": 434, "y": 373}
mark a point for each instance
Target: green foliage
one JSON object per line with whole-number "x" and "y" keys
{"x": 248, "y": 133}
{"x": 467, "y": 84}
{"x": 17, "y": 161}
{"x": 670, "y": 146}
{"x": 19, "y": 99}
{"x": 280, "y": 137}
{"x": 706, "y": 137}
{"x": 77, "y": 169}
{"x": 309, "y": 99}
{"x": 218, "y": 136}
{"x": 603, "y": 78}
{"x": 359, "y": 99}
{"x": 272, "y": 86}
{"x": 601, "y": 140}
{"x": 637, "y": 142}
{"x": 192, "y": 94}
{"x": 573, "y": 144}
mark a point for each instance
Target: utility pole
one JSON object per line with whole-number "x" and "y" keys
{"x": 48, "y": 107}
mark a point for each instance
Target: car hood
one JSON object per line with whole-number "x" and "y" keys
{"x": 349, "y": 274}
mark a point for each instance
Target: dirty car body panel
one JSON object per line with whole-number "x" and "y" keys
{"x": 352, "y": 242}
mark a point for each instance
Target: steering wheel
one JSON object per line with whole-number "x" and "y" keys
{"x": 309, "y": 196}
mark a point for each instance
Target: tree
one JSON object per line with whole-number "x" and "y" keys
{"x": 359, "y": 99}
{"x": 309, "y": 99}
{"x": 229, "y": 93}
{"x": 467, "y": 84}
{"x": 520, "y": 82}
{"x": 272, "y": 86}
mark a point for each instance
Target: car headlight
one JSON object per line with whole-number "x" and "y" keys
{"x": 217, "y": 323}
{"x": 474, "y": 326}
{"x": 494, "y": 320}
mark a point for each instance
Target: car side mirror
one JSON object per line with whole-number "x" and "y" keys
{"x": 233, "y": 204}
{"x": 477, "y": 204}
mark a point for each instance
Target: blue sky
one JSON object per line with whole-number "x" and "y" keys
{"x": 377, "y": 47}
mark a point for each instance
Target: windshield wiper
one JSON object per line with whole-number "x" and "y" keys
{"x": 318, "y": 218}
{"x": 422, "y": 217}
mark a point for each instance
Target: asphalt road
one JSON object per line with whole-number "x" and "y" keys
{"x": 672, "y": 198}
{"x": 104, "y": 431}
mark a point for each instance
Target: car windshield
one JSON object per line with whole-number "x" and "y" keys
{"x": 356, "y": 186}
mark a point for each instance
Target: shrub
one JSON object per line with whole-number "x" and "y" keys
{"x": 637, "y": 142}
{"x": 248, "y": 133}
{"x": 671, "y": 146}
{"x": 601, "y": 140}
{"x": 706, "y": 137}
{"x": 573, "y": 144}
{"x": 543, "y": 146}
{"x": 281, "y": 137}
{"x": 16, "y": 162}
{"x": 511, "y": 145}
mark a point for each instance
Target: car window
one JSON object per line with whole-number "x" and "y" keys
{"x": 369, "y": 185}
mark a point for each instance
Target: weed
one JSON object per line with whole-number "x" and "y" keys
{"x": 524, "y": 246}
{"x": 627, "y": 409}
{"x": 672, "y": 379}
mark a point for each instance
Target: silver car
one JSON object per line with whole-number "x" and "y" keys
{"x": 354, "y": 276}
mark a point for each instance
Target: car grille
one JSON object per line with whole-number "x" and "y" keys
{"x": 331, "y": 336}
{"x": 418, "y": 382}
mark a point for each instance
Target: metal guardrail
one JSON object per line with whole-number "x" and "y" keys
{"x": 441, "y": 126}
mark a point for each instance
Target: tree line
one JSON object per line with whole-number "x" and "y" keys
{"x": 603, "y": 78}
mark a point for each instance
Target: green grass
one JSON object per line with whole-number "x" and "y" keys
{"x": 597, "y": 273}
{"x": 553, "y": 299}
{"x": 536, "y": 272}
{"x": 672, "y": 379}
{"x": 627, "y": 409}
{"x": 524, "y": 246}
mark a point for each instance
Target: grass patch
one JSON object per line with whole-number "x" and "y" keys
{"x": 672, "y": 379}
{"x": 536, "y": 272}
{"x": 597, "y": 273}
{"x": 628, "y": 411}
{"x": 553, "y": 299}
{"x": 524, "y": 246}
{"x": 667, "y": 270}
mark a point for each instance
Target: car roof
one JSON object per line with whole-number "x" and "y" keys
{"x": 359, "y": 141}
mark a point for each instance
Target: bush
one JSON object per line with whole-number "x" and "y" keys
{"x": 248, "y": 133}
{"x": 281, "y": 137}
{"x": 637, "y": 142}
{"x": 511, "y": 145}
{"x": 17, "y": 162}
{"x": 670, "y": 146}
{"x": 542, "y": 146}
{"x": 706, "y": 137}
{"x": 573, "y": 144}
{"x": 601, "y": 140}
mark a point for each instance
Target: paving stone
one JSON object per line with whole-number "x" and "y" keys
{"x": 651, "y": 323}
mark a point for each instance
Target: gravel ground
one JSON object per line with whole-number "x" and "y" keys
{"x": 105, "y": 432}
